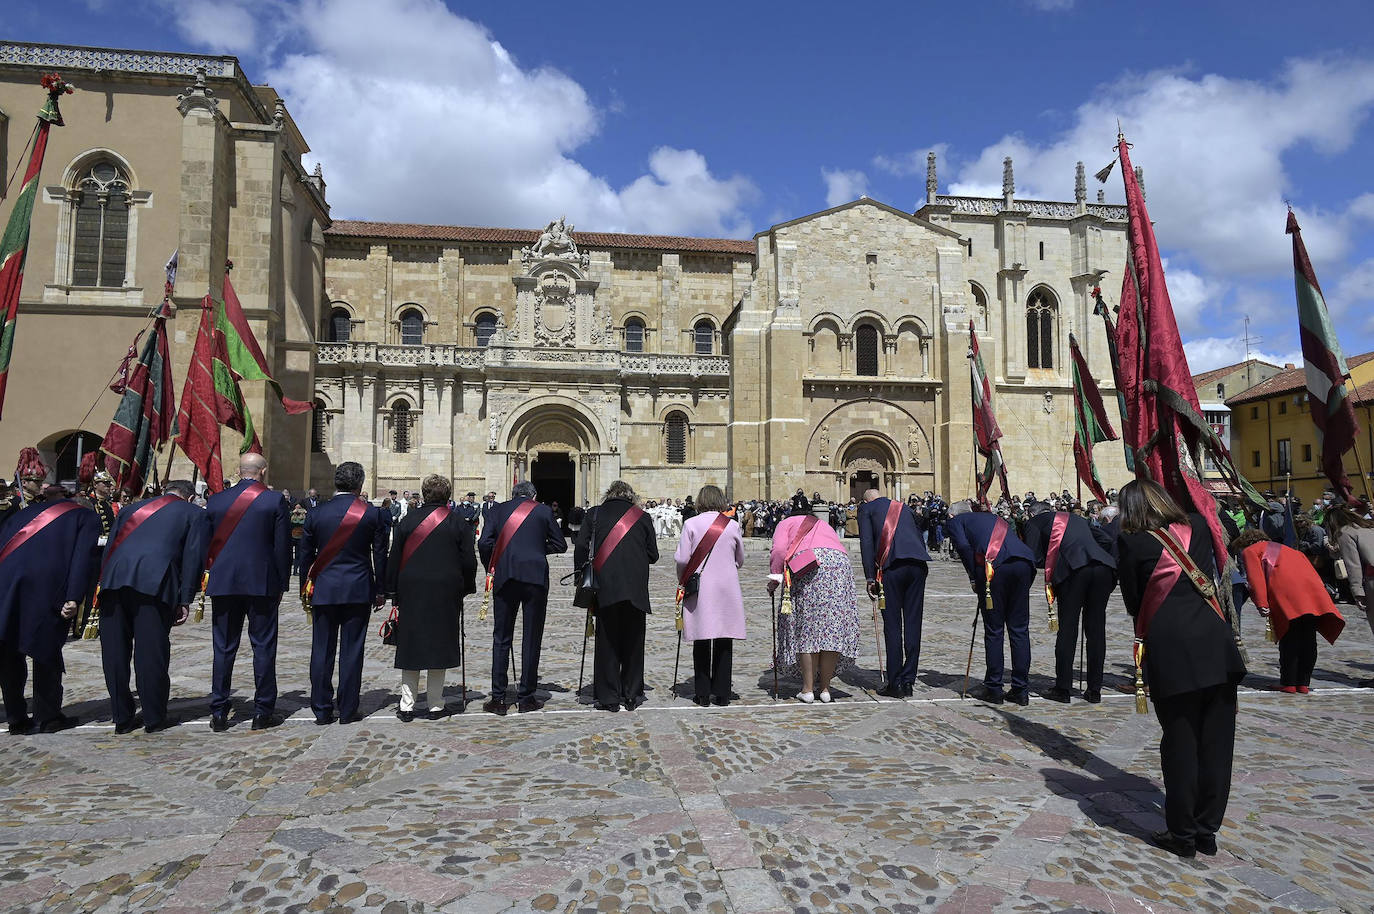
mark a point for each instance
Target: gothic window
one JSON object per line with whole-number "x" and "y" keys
{"x": 675, "y": 431}
{"x": 484, "y": 327}
{"x": 634, "y": 335}
{"x": 866, "y": 351}
{"x": 100, "y": 203}
{"x": 340, "y": 326}
{"x": 400, "y": 424}
{"x": 1041, "y": 315}
{"x": 412, "y": 328}
{"x": 703, "y": 336}
{"x": 317, "y": 428}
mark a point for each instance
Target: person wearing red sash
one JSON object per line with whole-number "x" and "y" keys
{"x": 712, "y": 616}
{"x": 149, "y": 574}
{"x": 1080, "y": 573}
{"x": 46, "y": 551}
{"x": 1289, "y": 591}
{"x": 895, "y": 559}
{"x": 248, "y": 569}
{"x": 982, "y": 538}
{"x": 343, "y": 573}
{"x": 1190, "y": 662}
{"x": 619, "y": 537}
{"x": 431, "y": 568}
{"x": 515, "y": 543}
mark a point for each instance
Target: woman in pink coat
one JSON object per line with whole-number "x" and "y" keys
{"x": 712, "y": 618}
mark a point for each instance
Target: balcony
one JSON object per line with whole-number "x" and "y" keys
{"x": 445, "y": 355}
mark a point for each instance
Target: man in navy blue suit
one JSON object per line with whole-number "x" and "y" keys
{"x": 972, "y": 529}
{"x": 44, "y": 573}
{"x": 148, "y": 578}
{"x": 249, "y": 567}
{"x": 488, "y": 503}
{"x": 903, "y": 568}
{"x": 467, "y": 509}
{"x": 347, "y": 587}
{"x": 519, "y": 579}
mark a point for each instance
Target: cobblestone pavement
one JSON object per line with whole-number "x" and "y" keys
{"x": 867, "y": 805}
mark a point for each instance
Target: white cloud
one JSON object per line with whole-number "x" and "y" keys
{"x": 843, "y": 186}
{"x": 1193, "y": 297}
{"x": 1353, "y": 293}
{"x": 1210, "y": 352}
{"x": 911, "y": 163}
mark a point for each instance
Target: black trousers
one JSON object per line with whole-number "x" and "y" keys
{"x": 1010, "y": 612}
{"x": 228, "y": 614}
{"x": 1084, "y": 593}
{"x": 47, "y": 686}
{"x": 338, "y": 629}
{"x": 1298, "y": 652}
{"x": 1195, "y": 753}
{"x": 512, "y": 598}
{"x": 618, "y": 667}
{"x": 712, "y": 666}
{"x": 904, "y": 600}
{"x": 137, "y": 627}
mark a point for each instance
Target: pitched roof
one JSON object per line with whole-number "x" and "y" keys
{"x": 1210, "y": 377}
{"x": 405, "y": 231}
{"x": 1292, "y": 380}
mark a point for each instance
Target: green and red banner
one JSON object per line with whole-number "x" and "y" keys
{"x": 14, "y": 244}
{"x": 986, "y": 430}
{"x": 245, "y": 356}
{"x": 143, "y": 419}
{"x": 211, "y": 398}
{"x": 1091, "y": 425}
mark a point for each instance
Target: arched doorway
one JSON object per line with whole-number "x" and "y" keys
{"x": 556, "y": 447}
{"x": 64, "y": 452}
{"x": 869, "y": 461}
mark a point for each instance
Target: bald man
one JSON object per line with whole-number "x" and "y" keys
{"x": 249, "y": 567}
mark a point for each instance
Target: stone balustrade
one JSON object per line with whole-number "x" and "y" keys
{"x": 446, "y": 355}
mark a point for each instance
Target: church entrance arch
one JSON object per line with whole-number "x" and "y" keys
{"x": 557, "y": 447}
{"x": 869, "y": 462}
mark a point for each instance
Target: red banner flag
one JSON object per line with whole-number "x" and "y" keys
{"x": 211, "y": 398}
{"x": 985, "y": 426}
{"x": 1091, "y": 424}
{"x": 143, "y": 419}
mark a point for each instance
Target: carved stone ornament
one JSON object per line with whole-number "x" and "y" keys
{"x": 198, "y": 96}
{"x": 555, "y": 243}
{"x": 493, "y": 430}
{"x": 913, "y": 446}
{"x": 825, "y": 444}
{"x": 555, "y": 310}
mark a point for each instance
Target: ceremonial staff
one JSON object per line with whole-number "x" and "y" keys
{"x": 587, "y": 632}
{"x": 773, "y": 616}
{"x": 983, "y": 598}
{"x": 678, "y": 659}
{"x": 463, "y": 650}
{"x": 878, "y": 601}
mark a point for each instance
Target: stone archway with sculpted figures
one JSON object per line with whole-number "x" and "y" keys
{"x": 867, "y": 461}
{"x": 557, "y": 446}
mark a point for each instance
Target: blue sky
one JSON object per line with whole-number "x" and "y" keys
{"x": 723, "y": 118}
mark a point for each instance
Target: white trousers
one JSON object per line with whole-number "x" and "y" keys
{"x": 434, "y": 685}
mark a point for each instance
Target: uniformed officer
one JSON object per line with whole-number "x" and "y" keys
{"x": 248, "y": 569}
{"x": 46, "y": 550}
{"x": 343, "y": 561}
{"x": 900, "y": 561}
{"x": 99, "y": 498}
{"x": 981, "y": 537}
{"x": 519, "y": 582}
{"x": 150, "y": 573}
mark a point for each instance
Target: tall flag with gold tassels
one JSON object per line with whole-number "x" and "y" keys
{"x": 1327, "y": 394}
{"x": 211, "y": 398}
{"x": 143, "y": 419}
{"x": 1091, "y": 425}
{"x": 14, "y": 244}
{"x": 986, "y": 429}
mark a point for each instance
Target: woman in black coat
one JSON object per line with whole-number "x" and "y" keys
{"x": 428, "y": 594}
{"x": 1191, "y": 664}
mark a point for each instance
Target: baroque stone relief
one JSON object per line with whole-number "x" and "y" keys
{"x": 555, "y": 310}
{"x": 555, "y": 243}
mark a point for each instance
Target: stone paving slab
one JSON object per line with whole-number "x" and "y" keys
{"x": 866, "y": 805}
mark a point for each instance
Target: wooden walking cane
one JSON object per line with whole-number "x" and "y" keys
{"x": 677, "y": 660}
{"x": 463, "y": 652}
{"x": 878, "y": 638}
{"x": 587, "y": 632}
{"x": 773, "y": 602}
{"x": 983, "y": 598}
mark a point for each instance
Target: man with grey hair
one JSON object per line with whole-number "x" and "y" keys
{"x": 518, "y": 537}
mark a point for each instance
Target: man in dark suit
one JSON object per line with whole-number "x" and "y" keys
{"x": 148, "y": 579}
{"x": 903, "y": 573}
{"x": 249, "y": 567}
{"x": 467, "y": 509}
{"x": 622, "y": 597}
{"x": 519, "y": 581}
{"x": 1006, "y": 602}
{"x": 1083, "y": 577}
{"x": 43, "y": 577}
{"x": 346, "y": 588}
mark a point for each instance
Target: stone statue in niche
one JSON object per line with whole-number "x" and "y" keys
{"x": 825, "y": 444}
{"x": 493, "y": 430}
{"x": 913, "y": 446}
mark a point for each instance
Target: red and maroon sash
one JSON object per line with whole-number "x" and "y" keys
{"x": 1174, "y": 562}
{"x": 1061, "y": 524}
{"x": 508, "y": 530}
{"x": 36, "y": 526}
{"x": 803, "y": 531}
{"x": 996, "y": 538}
{"x": 622, "y": 527}
{"x": 136, "y": 520}
{"x": 703, "y": 549}
{"x": 351, "y": 519}
{"x": 242, "y": 502}
{"x": 421, "y": 533}
{"x": 894, "y": 513}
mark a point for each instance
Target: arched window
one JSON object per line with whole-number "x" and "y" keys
{"x": 317, "y": 429}
{"x": 634, "y": 335}
{"x": 484, "y": 327}
{"x": 1041, "y": 313}
{"x": 100, "y": 236}
{"x": 675, "y": 435}
{"x": 340, "y": 326}
{"x": 703, "y": 335}
{"x": 866, "y": 350}
{"x": 400, "y": 425}
{"x": 412, "y": 328}
{"x": 980, "y": 304}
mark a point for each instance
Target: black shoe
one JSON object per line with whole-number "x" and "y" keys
{"x": 129, "y": 726}
{"x": 907, "y": 690}
{"x": 530, "y": 704}
{"x": 350, "y": 718}
{"x": 219, "y": 722}
{"x": 265, "y": 721}
{"x": 1092, "y": 698}
{"x": 405, "y": 717}
{"x": 435, "y": 713}
{"x": 702, "y": 700}
{"x": 889, "y": 691}
{"x": 720, "y": 702}
{"x": 495, "y": 706}
{"x": 21, "y": 727}
{"x": 324, "y": 721}
{"x": 990, "y": 695}
{"x": 1206, "y": 844}
{"x": 632, "y": 703}
{"x": 1172, "y": 843}
{"x": 158, "y": 727}
{"x": 1019, "y": 697}
{"x": 1057, "y": 694}
{"x": 57, "y": 724}
{"x": 611, "y": 708}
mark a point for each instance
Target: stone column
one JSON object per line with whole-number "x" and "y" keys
{"x": 669, "y": 275}
{"x": 357, "y": 437}
{"x": 436, "y": 423}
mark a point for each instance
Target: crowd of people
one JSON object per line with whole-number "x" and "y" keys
{"x": 129, "y": 574}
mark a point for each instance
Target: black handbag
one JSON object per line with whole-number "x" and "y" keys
{"x": 388, "y": 627}
{"x": 693, "y": 583}
{"x": 584, "y": 597}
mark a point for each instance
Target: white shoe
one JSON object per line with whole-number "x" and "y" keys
{"x": 805, "y": 697}
{"x": 825, "y": 696}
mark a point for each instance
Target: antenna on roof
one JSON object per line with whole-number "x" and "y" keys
{"x": 1249, "y": 362}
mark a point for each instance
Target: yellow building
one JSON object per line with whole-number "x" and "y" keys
{"x": 1273, "y": 437}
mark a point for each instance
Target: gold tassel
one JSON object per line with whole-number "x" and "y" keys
{"x": 591, "y": 625}
{"x": 1141, "y": 704}
{"x": 679, "y": 618}
{"x": 92, "y": 630}
{"x": 882, "y": 600}
{"x": 1269, "y": 628}
{"x": 486, "y": 602}
{"x": 306, "y": 594}
{"x": 1050, "y": 611}
{"x": 200, "y": 607}
{"x": 786, "y": 608}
